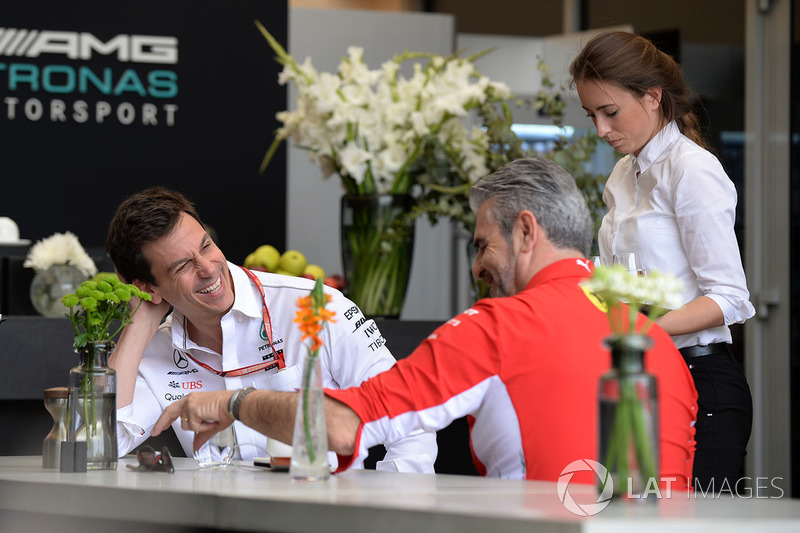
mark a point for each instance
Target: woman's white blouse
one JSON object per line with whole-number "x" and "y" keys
{"x": 674, "y": 206}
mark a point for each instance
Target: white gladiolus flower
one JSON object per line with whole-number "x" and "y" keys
{"x": 354, "y": 161}
{"x": 358, "y": 120}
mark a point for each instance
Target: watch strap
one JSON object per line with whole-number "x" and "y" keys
{"x": 236, "y": 401}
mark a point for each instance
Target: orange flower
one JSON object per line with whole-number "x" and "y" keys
{"x": 311, "y": 315}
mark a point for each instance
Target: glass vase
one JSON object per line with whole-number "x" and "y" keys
{"x": 310, "y": 442}
{"x": 49, "y": 286}
{"x": 629, "y": 446}
{"x": 93, "y": 406}
{"x": 377, "y": 237}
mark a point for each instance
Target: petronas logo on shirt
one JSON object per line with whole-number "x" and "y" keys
{"x": 263, "y": 332}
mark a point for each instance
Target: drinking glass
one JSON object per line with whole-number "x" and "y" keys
{"x": 219, "y": 450}
{"x": 599, "y": 261}
{"x": 631, "y": 262}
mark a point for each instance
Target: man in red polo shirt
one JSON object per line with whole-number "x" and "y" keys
{"x": 524, "y": 365}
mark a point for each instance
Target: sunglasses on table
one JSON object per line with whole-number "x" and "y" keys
{"x": 153, "y": 461}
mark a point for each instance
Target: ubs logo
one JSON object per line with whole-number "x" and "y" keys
{"x": 180, "y": 359}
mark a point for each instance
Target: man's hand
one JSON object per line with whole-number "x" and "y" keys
{"x": 149, "y": 313}
{"x": 205, "y": 413}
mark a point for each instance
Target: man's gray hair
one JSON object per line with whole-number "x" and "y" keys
{"x": 546, "y": 190}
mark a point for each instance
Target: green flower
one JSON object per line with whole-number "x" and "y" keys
{"x": 104, "y": 286}
{"x": 123, "y": 293}
{"x": 89, "y": 303}
{"x": 83, "y": 291}
{"x": 101, "y": 308}
{"x": 109, "y": 277}
{"x": 112, "y": 297}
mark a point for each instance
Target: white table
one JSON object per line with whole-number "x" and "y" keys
{"x": 247, "y": 498}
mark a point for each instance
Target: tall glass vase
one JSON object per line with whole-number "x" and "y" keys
{"x": 629, "y": 445}
{"x": 93, "y": 406}
{"x": 377, "y": 249}
{"x": 310, "y": 444}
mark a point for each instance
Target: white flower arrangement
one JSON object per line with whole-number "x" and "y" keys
{"x": 385, "y": 133}
{"x": 657, "y": 293}
{"x": 60, "y": 249}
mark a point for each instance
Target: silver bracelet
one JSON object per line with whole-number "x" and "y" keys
{"x": 236, "y": 401}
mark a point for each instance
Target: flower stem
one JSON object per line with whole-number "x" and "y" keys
{"x": 312, "y": 454}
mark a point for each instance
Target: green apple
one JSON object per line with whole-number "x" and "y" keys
{"x": 250, "y": 261}
{"x": 315, "y": 271}
{"x": 293, "y": 262}
{"x": 267, "y": 256}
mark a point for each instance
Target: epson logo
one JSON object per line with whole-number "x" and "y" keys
{"x": 83, "y": 45}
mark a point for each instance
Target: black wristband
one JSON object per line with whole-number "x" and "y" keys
{"x": 236, "y": 401}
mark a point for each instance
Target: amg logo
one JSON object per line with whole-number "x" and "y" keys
{"x": 82, "y": 45}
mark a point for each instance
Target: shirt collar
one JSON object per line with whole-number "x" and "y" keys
{"x": 247, "y": 299}
{"x": 653, "y": 149}
{"x": 574, "y": 267}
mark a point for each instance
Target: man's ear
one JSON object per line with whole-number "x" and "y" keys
{"x": 150, "y": 289}
{"x": 528, "y": 230}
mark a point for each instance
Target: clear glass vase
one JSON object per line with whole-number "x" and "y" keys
{"x": 310, "y": 443}
{"x": 377, "y": 238}
{"x": 629, "y": 445}
{"x": 49, "y": 286}
{"x": 93, "y": 406}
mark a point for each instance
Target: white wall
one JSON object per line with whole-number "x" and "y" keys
{"x": 313, "y": 204}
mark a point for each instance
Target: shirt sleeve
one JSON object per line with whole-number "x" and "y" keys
{"x": 423, "y": 392}
{"x": 705, "y": 211}
{"x": 356, "y": 351}
{"x": 135, "y": 421}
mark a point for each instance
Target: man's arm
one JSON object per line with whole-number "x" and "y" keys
{"x": 355, "y": 351}
{"x": 131, "y": 346}
{"x": 269, "y": 412}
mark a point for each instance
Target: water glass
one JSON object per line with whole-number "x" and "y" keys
{"x": 219, "y": 450}
{"x": 599, "y": 261}
{"x": 631, "y": 262}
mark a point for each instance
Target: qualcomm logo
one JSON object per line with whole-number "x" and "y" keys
{"x": 603, "y": 499}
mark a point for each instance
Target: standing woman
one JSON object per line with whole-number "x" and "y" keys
{"x": 672, "y": 204}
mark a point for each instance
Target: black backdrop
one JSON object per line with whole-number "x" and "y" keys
{"x": 69, "y": 175}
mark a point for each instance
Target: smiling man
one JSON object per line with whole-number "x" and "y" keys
{"x": 229, "y": 329}
{"x": 524, "y": 365}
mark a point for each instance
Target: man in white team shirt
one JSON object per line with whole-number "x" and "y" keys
{"x": 229, "y": 329}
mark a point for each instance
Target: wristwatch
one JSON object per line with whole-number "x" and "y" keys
{"x": 236, "y": 401}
